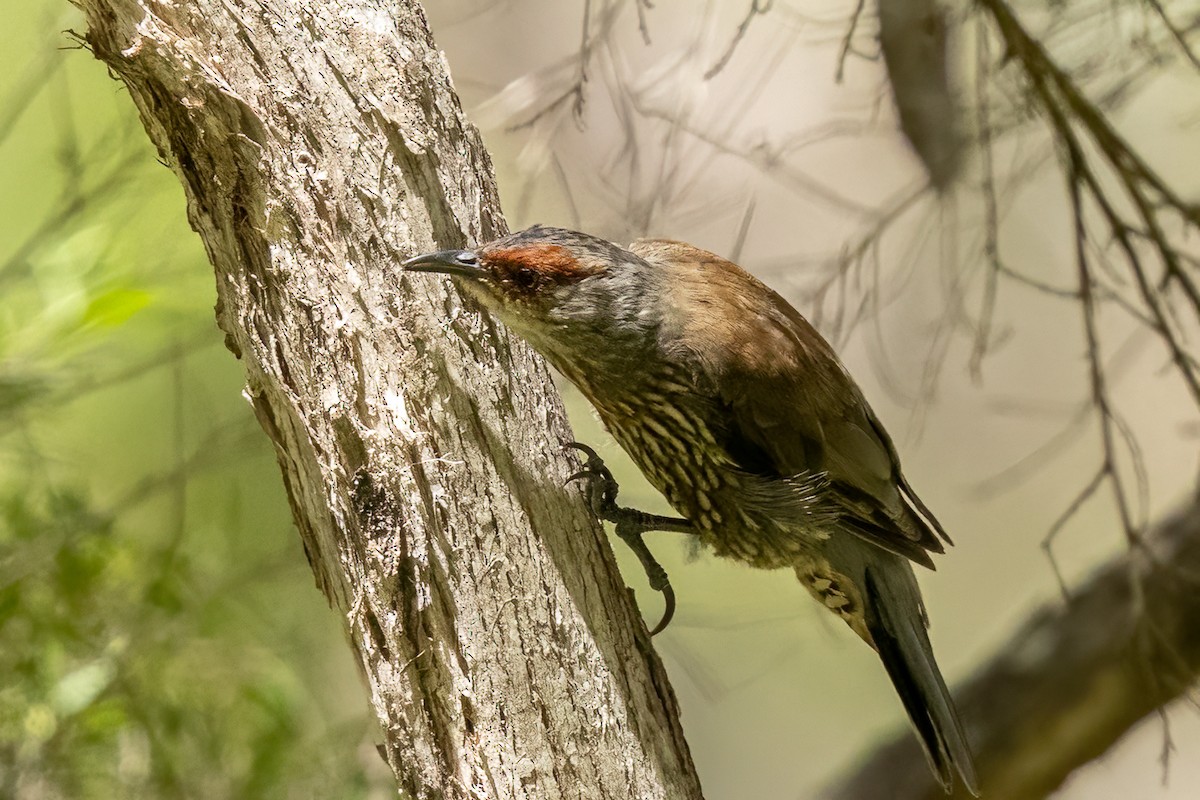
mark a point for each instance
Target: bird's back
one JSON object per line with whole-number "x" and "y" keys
{"x": 788, "y": 405}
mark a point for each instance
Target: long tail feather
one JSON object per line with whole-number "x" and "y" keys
{"x": 896, "y": 622}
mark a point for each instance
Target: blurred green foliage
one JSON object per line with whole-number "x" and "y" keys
{"x": 160, "y": 635}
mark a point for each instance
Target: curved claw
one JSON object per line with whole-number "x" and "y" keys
{"x": 630, "y": 524}
{"x": 668, "y": 612}
{"x": 583, "y": 448}
{"x": 583, "y": 473}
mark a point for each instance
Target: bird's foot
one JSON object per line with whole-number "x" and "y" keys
{"x": 601, "y": 489}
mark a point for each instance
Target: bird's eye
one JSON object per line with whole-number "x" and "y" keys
{"x": 466, "y": 258}
{"x": 524, "y": 278}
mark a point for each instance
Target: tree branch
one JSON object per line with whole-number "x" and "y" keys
{"x": 319, "y": 144}
{"x": 1073, "y": 680}
{"x": 914, "y": 39}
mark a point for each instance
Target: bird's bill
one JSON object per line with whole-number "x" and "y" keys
{"x": 447, "y": 262}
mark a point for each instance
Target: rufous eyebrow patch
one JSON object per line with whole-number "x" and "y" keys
{"x": 543, "y": 261}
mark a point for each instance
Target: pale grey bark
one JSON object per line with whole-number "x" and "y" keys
{"x": 1072, "y": 681}
{"x": 319, "y": 143}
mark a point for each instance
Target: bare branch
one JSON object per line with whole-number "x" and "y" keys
{"x": 848, "y": 41}
{"x": 991, "y": 222}
{"x": 757, "y": 7}
{"x": 914, "y": 36}
{"x": 1176, "y": 33}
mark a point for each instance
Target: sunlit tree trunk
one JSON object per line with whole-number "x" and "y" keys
{"x": 319, "y": 144}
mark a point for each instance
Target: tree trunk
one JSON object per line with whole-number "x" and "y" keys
{"x": 319, "y": 144}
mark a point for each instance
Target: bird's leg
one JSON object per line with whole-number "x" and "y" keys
{"x": 631, "y": 524}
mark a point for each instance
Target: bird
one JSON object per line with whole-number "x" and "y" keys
{"x": 742, "y": 415}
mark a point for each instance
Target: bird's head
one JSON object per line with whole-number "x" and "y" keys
{"x": 550, "y": 283}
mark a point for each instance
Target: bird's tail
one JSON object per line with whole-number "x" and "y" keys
{"x": 895, "y": 618}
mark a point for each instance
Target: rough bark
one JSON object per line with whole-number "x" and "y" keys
{"x": 318, "y": 144}
{"x": 1073, "y": 680}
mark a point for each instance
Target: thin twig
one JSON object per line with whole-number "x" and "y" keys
{"x": 848, "y": 41}
{"x": 757, "y": 8}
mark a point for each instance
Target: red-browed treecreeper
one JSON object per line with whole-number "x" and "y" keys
{"x": 742, "y": 415}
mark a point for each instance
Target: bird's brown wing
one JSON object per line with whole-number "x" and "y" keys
{"x": 792, "y": 407}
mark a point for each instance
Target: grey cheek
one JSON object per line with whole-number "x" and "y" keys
{"x": 582, "y": 305}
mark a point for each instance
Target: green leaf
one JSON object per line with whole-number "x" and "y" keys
{"x": 112, "y": 308}
{"x": 78, "y": 689}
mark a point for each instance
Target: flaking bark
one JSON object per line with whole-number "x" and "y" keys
{"x": 319, "y": 144}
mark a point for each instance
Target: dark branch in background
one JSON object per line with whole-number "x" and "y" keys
{"x": 1066, "y": 109}
{"x": 1072, "y": 681}
{"x": 914, "y": 39}
{"x": 991, "y": 212}
{"x": 1176, "y": 33}
{"x": 853, "y": 261}
{"x": 757, "y": 8}
{"x": 848, "y": 41}
{"x": 597, "y": 28}
{"x": 642, "y": 7}
{"x": 1093, "y": 155}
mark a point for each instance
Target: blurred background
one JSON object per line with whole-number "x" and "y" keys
{"x": 160, "y": 634}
